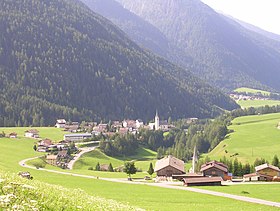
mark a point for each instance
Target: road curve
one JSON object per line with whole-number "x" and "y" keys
{"x": 163, "y": 185}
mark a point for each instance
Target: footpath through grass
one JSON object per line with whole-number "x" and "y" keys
{"x": 253, "y": 137}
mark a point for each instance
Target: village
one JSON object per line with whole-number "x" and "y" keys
{"x": 169, "y": 168}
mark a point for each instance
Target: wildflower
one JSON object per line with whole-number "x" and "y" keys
{"x": 79, "y": 207}
{"x": 28, "y": 186}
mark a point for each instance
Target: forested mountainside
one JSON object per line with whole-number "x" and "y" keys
{"x": 60, "y": 59}
{"x": 220, "y": 52}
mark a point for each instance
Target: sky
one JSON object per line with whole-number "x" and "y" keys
{"x": 262, "y": 13}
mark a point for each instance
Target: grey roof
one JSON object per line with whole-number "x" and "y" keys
{"x": 170, "y": 161}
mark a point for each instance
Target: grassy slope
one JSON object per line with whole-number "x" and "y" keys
{"x": 253, "y": 91}
{"x": 55, "y": 134}
{"x": 151, "y": 197}
{"x": 142, "y": 159}
{"x": 257, "y": 103}
{"x": 253, "y": 136}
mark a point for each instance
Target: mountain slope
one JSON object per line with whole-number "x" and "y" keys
{"x": 222, "y": 54}
{"x": 59, "y": 59}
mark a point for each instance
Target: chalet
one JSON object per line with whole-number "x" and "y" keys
{"x": 13, "y": 135}
{"x": 60, "y": 123}
{"x": 264, "y": 172}
{"x": 123, "y": 131}
{"x": 215, "y": 169}
{"x": 129, "y": 124}
{"x": 62, "y": 154}
{"x": 139, "y": 123}
{"x": 76, "y": 137}
{"x": 44, "y": 145}
{"x": 116, "y": 124}
{"x": 104, "y": 167}
{"x": 267, "y": 169}
{"x": 203, "y": 181}
{"x": 51, "y": 159}
{"x": 169, "y": 166}
{"x": 32, "y": 133}
{"x": 102, "y": 127}
{"x": 72, "y": 127}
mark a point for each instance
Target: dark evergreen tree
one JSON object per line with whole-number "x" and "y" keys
{"x": 151, "y": 169}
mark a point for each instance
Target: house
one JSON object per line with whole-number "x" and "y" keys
{"x": 32, "y": 133}
{"x": 76, "y": 137}
{"x": 60, "y": 123}
{"x": 13, "y": 135}
{"x": 203, "y": 181}
{"x": 123, "y": 131}
{"x": 215, "y": 169}
{"x": 51, "y": 159}
{"x": 129, "y": 124}
{"x": 264, "y": 172}
{"x": 163, "y": 125}
{"x": 169, "y": 166}
{"x": 139, "y": 123}
{"x": 44, "y": 145}
{"x": 62, "y": 154}
{"x": 267, "y": 169}
{"x": 104, "y": 167}
{"x": 102, "y": 127}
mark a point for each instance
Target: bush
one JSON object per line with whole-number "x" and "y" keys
{"x": 90, "y": 168}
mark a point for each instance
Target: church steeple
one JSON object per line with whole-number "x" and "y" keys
{"x": 156, "y": 121}
{"x": 194, "y": 160}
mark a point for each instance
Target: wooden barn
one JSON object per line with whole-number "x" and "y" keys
{"x": 203, "y": 181}
{"x": 169, "y": 166}
{"x": 215, "y": 169}
{"x": 264, "y": 172}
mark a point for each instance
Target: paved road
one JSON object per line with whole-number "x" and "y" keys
{"x": 163, "y": 185}
{"x": 77, "y": 156}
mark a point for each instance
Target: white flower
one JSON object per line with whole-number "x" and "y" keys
{"x": 28, "y": 186}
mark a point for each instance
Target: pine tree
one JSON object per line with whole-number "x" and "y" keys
{"x": 151, "y": 169}
{"x": 110, "y": 168}
{"x": 275, "y": 161}
{"x": 97, "y": 167}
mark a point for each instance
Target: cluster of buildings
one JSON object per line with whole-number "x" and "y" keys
{"x": 211, "y": 173}
{"x": 109, "y": 129}
{"x": 238, "y": 97}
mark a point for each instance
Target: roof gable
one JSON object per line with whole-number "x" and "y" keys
{"x": 170, "y": 161}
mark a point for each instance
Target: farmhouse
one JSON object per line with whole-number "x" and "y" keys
{"x": 13, "y": 135}
{"x": 215, "y": 169}
{"x": 169, "y": 166}
{"x": 51, "y": 159}
{"x": 60, "y": 123}
{"x": 32, "y": 133}
{"x": 77, "y": 137}
{"x": 44, "y": 145}
{"x": 203, "y": 181}
{"x": 265, "y": 172}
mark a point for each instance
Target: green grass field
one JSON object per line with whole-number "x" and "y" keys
{"x": 55, "y": 134}
{"x": 142, "y": 159}
{"x": 143, "y": 196}
{"x": 264, "y": 191}
{"x": 257, "y": 103}
{"x": 253, "y": 137}
{"x": 252, "y": 91}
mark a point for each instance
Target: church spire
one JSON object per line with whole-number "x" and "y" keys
{"x": 156, "y": 121}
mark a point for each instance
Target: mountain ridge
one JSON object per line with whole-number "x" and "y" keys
{"x": 60, "y": 59}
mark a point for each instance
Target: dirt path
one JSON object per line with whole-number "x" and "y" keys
{"x": 83, "y": 151}
{"x": 163, "y": 185}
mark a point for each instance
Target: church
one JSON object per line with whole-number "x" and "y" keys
{"x": 159, "y": 125}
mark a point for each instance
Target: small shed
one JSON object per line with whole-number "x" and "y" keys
{"x": 203, "y": 181}
{"x": 169, "y": 166}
